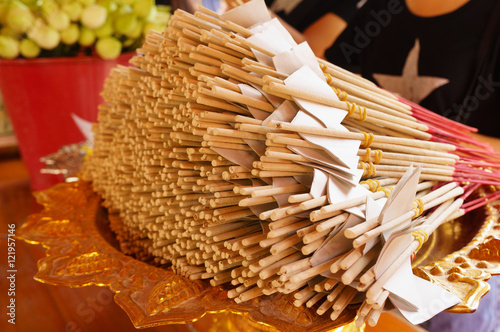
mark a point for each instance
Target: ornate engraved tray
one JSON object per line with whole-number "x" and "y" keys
{"x": 81, "y": 250}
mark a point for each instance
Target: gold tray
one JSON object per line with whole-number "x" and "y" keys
{"x": 81, "y": 250}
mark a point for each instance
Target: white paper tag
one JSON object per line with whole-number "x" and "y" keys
{"x": 248, "y": 14}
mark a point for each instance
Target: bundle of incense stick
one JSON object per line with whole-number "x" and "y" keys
{"x": 228, "y": 163}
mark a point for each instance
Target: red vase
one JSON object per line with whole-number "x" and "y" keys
{"x": 41, "y": 94}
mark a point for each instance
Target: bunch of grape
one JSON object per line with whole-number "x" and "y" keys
{"x": 36, "y": 28}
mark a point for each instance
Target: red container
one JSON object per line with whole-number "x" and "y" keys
{"x": 41, "y": 94}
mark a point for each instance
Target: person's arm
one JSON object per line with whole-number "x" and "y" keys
{"x": 319, "y": 35}
{"x": 315, "y": 34}
{"x": 494, "y": 142}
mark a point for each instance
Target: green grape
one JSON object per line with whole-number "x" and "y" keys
{"x": 71, "y": 35}
{"x": 108, "y": 48}
{"x": 143, "y": 7}
{"x": 4, "y": 8}
{"x": 8, "y": 31}
{"x": 28, "y": 26}
{"x": 122, "y": 10}
{"x": 137, "y": 32}
{"x": 9, "y": 47}
{"x": 128, "y": 42}
{"x": 106, "y": 29}
{"x": 160, "y": 15}
{"x": 73, "y": 9}
{"x": 19, "y": 17}
{"x": 94, "y": 16}
{"x": 125, "y": 2}
{"x": 29, "y": 49}
{"x": 164, "y": 8}
{"x": 48, "y": 8}
{"x": 30, "y": 3}
{"x": 45, "y": 36}
{"x": 59, "y": 20}
{"x": 87, "y": 37}
{"x": 49, "y": 38}
{"x": 126, "y": 23}
{"x": 86, "y": 2}
{"x": 148, "y": 26}
{"x": 110, "y": 5}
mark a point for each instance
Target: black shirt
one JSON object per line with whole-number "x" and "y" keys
{"x": 300, "y": 14}
{"x": 382, "y": 34}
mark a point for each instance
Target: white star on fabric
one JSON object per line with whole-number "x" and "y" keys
{"x": 410, "y": 85}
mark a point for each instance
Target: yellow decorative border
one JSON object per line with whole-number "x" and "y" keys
{"x": 73, "y": 227}
{"x": 81, "y": 251}
{"x": 465, "y": 271}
